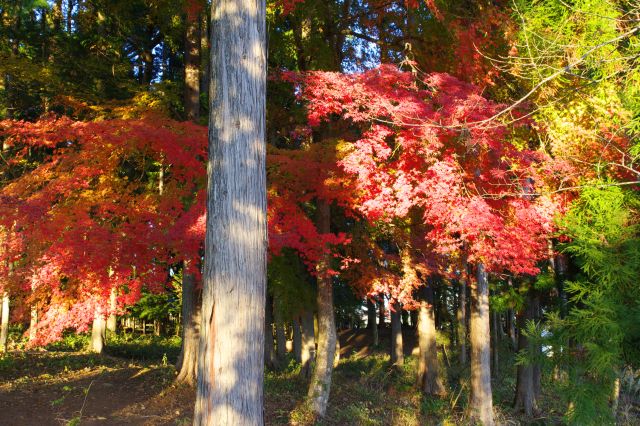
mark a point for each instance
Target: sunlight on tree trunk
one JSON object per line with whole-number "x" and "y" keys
{"x": 112, "y": 321}
{"x": 397, "y": 349}
{"x": 480, "y": 404}
{"x": 320, "y": 386}
{"x": 429, "y": 380}
{"x": 4, "y": 323}
{"x": 231, "y": 357}
{"x": 98, "y": 332}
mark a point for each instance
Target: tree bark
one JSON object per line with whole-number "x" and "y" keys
{"x": 270, "y": 357}
{"x": 429, "y": 380}
{"x": 192, "y": 63}
{"x": 187, "y": 364}
{"x": 308, "y": 344}
{"x": 297, "y": 340}
{"x": 525, "y": 397}
{"x": 397, "y": 350}
{"x": 231, "y": 357}
{"x": 481, "y": 404}
{"x": 371, "y": 321}
{"x": 495, "y": 356}
{"x": 281, "y": 338}
{"x": 381, "y": 312}
{"x": 320, "y": 386}
{"x": 462, "y": 319}
{"x": 4, "y": 323}
{"x": 98, "y": 332}
{"x": 112, "y": 321}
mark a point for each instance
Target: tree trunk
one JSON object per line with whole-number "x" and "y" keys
{"x": 525, "y": 398}
{"x": 371, "y": 321}
{"x": 187, "y": 364}
{"x": 98, "y": 332}
{"x": 33, "y": 323}
{"x": 192, "y": 63}
{"x": 270, "y": 357}
{"x": 297, "y": 340}
{"x": 112, "y": 321}
{"x": 481, "y": 404}
{"x": 381, "y": 312}
{"x": 429, "y": 380}
{"x": 4, "y": 323}
{"x": 281, "y": 338}
{"x": 231, "y": 358}
{"x": 320, "y": 386}
{"x": 494, "y": 344}
{"x": 397, "y": 354}
{"x": 462, "y": 319}
{"x": 308, "y": 344}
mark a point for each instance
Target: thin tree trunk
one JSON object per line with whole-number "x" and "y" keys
{"x": 270, "y": 357}
{"x": 98, "y": 332}
{"x": 187, "y": 364}
{"x": 192, "y": 62}
{"x": 525, "y": 397}
{"x": 462, "y": 319}
{"x": 4, "y": 323}
{"x": 231, "y": 358}
{"x": 371, "y": 321}
{"x": 112, "y": 321}
{"x": 281, "y": 338}
{"x": 320, "y": 386}
{"x": 397, "y": 354}
{"x": 429, "y": 380}
{"x": 481, "y": 404}
{"x": 308, "y": 344}
{"x": 494, "y": 344}
{"x": 381, "y": 312}
{"x": 297, "y": 340}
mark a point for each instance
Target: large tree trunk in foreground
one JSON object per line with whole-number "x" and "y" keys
{"x": 192, "y": 63}
{"x": 308, "y": 350}
{"x": 480, "y": 404}
{"x": 4, "y": 323}
{"x": 187, "y": 365}
{"x": 372, "y": 324}
{"x": 526, "y": 397}
{"x": 320, "y": 386}
{"x": 231, "y": 357}
{"x": 98, "y": 332}
{"x": 397, "y": 350}
{"x": 429, "y": 380}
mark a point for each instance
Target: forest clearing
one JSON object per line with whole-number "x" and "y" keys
{"x": 319, "y": 212}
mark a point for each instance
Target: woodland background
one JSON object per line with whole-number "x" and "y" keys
{"x": 452, "y": 210}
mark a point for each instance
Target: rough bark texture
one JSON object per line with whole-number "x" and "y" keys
{"x": 270, "y": 357}
{"x": 297, "y": 340}
{"x": 230, "y": 361}
{"x": 480, "y": 404}
{"x": 525, "y": 398}
{"x": 4, "y": 323}
{"x": 462, "y": 320}
{"x": 397, "y": 354}
{"x": 187, "y": 365}
{"x": 192, "y": 66}
{"x": 372, "y": 324}
{"x": 320, "y": 386}
{"x": 98, "y": 332}
{"x": 308, "y": 350}
{"x": 429, "y": 380}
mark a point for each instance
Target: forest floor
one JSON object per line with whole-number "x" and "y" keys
{"x": 133, "y": 385}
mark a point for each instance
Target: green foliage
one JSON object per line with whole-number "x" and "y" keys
{"x": 600, "y": 333}
{"x": 290, "y": 284}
